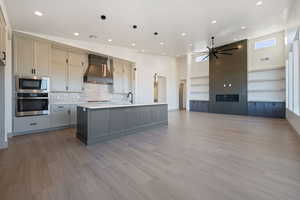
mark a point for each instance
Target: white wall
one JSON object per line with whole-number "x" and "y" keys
{"x": 8, "y": 76}
{"x": 266, "y": 78}
{"x": 147, "y": 65}
{"x": 181, "y": 63}
{"x": 292, "y": 60}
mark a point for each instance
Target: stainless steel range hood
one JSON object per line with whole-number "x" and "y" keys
{"x": 99, "y": 71}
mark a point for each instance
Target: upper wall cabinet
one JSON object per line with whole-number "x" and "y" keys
{"x": 59, "y": 70}
{"x": 67, "y": 70}
{"x": 23, "y": 55}
{"x": 42, "y": 54}
{"x": 77, "y": 63}
{"x": 123, "y": 73}
{"x": 31, "y": 57}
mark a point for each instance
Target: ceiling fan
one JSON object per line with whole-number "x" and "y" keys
{"x": 213, "y": 51}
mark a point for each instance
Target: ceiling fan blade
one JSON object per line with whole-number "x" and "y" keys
{"x": 223, "y": 53}
{"x": 216, "y": 56}
{"x": 228, "y": 49}
{"x": 203, "y": 59}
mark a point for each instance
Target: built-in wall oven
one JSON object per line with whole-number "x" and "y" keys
{"x": 32, "y": 96}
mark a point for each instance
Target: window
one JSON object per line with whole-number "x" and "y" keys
{"x": 201, "y": 58}
{"x": 265, "y": 44}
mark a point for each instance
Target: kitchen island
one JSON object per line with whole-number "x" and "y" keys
{"x": 102, "y": 122}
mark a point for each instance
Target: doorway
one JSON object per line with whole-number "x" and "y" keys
{"x": 182, "y": 95}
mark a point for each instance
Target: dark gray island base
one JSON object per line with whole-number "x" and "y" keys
{"x": 98, "y": 123}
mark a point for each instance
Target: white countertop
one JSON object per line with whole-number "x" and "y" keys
{"x": 111, "y": 105}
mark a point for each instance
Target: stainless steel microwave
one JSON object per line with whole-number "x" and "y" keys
{"x": 32, "y": 84}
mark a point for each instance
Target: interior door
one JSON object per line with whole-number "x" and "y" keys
{"x": 228, "y": 81}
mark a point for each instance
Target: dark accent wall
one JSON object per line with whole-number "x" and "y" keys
{"x": 267, "y": 109}
{"x": 228, "y": 81}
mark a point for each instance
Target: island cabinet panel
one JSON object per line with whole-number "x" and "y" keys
{"x": 96, "y": 125}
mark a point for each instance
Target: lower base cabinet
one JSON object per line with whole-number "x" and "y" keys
{"x": 24, "y": 125}
{"x": 61, "y": 116}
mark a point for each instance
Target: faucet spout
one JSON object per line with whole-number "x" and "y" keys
{"x": 130, "y": 94}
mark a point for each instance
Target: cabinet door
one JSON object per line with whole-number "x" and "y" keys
{"x": 23, "y": 55}
{"x": 59, "y": 70}
{"x": 75, "y": 74}
{"x": 42, "y": 58}
{"x": 127, "y": 78}
{"x": 59, "y": 116}
{"x": 118, "y": 77}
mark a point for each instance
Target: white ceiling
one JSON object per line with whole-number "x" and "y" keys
{"x": 168, "y": 17}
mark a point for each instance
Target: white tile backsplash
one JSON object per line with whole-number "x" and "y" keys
{"x": 91, "y": 92}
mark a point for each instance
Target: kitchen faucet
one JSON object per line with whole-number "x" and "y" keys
{"x": 130, "y": 94}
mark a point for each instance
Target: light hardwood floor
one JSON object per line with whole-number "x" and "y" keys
{"x": 198, "y": 156}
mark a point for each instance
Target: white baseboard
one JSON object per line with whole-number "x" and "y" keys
{"x": 294, "y": 120}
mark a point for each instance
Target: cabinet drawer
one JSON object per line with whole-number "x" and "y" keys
{"x": 24, "y": 124}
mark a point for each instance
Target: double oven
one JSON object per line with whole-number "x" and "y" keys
{"x": 32, "y": 96}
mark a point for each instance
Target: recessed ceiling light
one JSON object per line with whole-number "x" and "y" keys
{"x": 76, "y": 34}
{"x": 161, "y": 43}
{"x": 134, "y": 26}
{"x": 142, "y": 50}
{"x": 155, "y": 33}
{"x": 103, "y": 17}
{"x": 164, "y": 53}
{"x": 243, "y": 27}
{"x": 259, "y": 3}
{"x": 109, "y": 40}
{"x": 133, "y": 44}
{"x": 190, "y": 45}
{"x": 183, "y": 34}
{"x": 214, "y": 22}
{"x": 38, "y": 13}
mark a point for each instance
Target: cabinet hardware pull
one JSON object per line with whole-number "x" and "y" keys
{"x": 4, "y": 55}
{"x": 33, "y": 124}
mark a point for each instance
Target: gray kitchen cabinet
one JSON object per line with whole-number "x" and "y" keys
{"x": 67, "y": 70}
{"x": 59, "y": 116}
{"x": 75, "y": 71}
{"x": 101, "y": 124}
{"x": 23, "y": 48}
{"x": 31, "y": 57}
{"x": 23, "y": 125}
{"x": 42, "y": 61}
{"x": 123, "y": 71}
{"x": 59, "y": 70}
{"x": 73, "y": 114}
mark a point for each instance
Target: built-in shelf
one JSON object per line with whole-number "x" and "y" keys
{"x": 199, "y": 77}
{"x": 266, "y": 70}
{"x": 280, "y": 90}
{"x": 199, "y": 84}
{"x": 200, "y": 92}
{"x": 266, "y": 80}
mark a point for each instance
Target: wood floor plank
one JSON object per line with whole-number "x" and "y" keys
{"x": 197, "y": 156}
